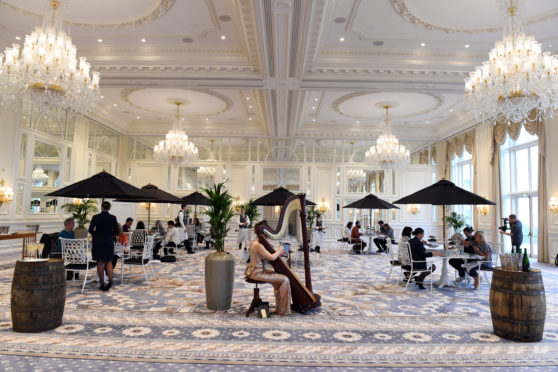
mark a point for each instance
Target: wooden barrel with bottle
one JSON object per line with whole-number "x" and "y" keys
{"x": 38, "y": 295}
{"x": 518, "y": 305}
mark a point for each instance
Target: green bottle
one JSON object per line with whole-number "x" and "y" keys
{"x": 525, "y": 264}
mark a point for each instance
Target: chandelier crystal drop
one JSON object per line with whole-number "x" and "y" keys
{"x": 175, "y": 148}
{"x": 517, "y": 79}
{"x": 46, "y": 74}
{"x": 206, "y": 171}
{"x": 388, "y": 152}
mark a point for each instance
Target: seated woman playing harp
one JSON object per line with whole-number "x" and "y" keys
{"x": 256, "y": 271}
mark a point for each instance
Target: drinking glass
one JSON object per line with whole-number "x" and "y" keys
{"x": 40, "y": 247}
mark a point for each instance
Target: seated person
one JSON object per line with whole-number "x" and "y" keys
{"x": 256, "y": 270}
{"x": 119, "y": 239}
{"x": 346, "y": 232}
{"x": 140, "y": 225}
{"x": 381, "y": 242}
{"x": 127, "y": 227}
{"x": 198, "y": 230}
{"x": 159, "y": 235}
{"x": 418, "y": 253}
{"x": 207, "y": 237}
{"x": 480, "y": 247}
{"x": 356, "y": 234}
{"x": 457, "y": 263}
{"x": 67, "y": 233}
{"x": 172, "y": 238}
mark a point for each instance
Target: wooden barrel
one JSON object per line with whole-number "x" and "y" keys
{"x": 38, "y": 295}
{"x": 518, "y": 305}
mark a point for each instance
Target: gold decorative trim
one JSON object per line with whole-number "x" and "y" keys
{"x": 339, "y": 101}
{"x": 403, "y": 11}
{"x": 125, "y": 95}
{"x": 158, "y": 11}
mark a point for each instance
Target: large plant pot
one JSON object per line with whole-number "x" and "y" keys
{"x": 219, "y": 280}
{"x": 80, "y": 232}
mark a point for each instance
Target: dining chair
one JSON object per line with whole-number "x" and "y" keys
{"x": 144, "y": 260}
{"x": 393, "y": 260}
{"x": 76, "y": 258}
{"x": 408, "y": 264}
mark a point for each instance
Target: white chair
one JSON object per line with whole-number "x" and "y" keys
{"x": 191, "y": 231}
{"x": 76, "y": 258}
{"x": 408, "y": 264}
{"x": 144, "y": 260}
{"x": 357, "y": 247}
{"x": 137, "y": 238}
{"x": 497, "y": 249}
{"x": 344, "y": 242}
{"x": 393, "y": 260}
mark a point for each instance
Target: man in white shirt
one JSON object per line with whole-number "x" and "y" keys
{"x": 172, "y": 238}
{"x": 243, "y": 223}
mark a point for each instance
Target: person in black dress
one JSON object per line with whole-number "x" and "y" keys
{"x": 103, "y": 228}
{"x": 419, "y": 254}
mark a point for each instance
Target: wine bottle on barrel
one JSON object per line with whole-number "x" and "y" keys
{"x": 525, "y": 264}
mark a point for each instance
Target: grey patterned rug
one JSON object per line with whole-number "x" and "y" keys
{"x": 364, "y": 322}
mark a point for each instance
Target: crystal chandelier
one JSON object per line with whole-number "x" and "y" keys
{"x": 39, "y": 175}
{"x": 387, "y": 152}
{"x": 356, "y": 176}
{"x": 206, "y": 171}
{"x": 175, "y": 148}
{"x": 6, "y": 193}
{"x": 323, "y": 206}
{"x": 516, "y": 79}
{"x": 47, "y": 75}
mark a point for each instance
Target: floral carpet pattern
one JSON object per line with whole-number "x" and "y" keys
{"x": 365, "y": 321}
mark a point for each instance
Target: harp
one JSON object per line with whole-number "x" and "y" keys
{"x": 302, "y": 297}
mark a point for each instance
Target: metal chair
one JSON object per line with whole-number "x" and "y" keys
{"x": 393, "y": 260}
{"x": 76, "y": 258}
{"x": 137, "y": 238}
{"x": 408, "y": 264}
{"x": 144, "y": 260}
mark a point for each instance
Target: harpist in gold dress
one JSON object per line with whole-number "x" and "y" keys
{"x": 256, "y": 271}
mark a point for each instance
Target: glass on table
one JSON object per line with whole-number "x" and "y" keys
{"x": 40, "y": 247}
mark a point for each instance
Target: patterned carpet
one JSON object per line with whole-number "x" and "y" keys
{"x": 364, "y": 322}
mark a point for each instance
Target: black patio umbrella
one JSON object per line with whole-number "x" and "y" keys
{"x": 444, "y": 193}
{"x": 276, "y": 197}
{"x": 196, "y": 198}
{"x": 157, "y": 196}
{"x": 101, "y": 185}
{"x": 370, "y": 202}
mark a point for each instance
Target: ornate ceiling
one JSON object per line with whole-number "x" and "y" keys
{"x": 285, "y": 69}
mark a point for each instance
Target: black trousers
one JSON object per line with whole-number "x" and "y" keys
{"x": 456, "y": 264}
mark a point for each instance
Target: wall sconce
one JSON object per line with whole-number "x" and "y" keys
{"x": 145, "y": 205}
{"x": 553, "y": 204}
{"x": 413, "y": 208}
{"x": 237, "y": 203}
{"x": 323, "y": 206}
{"x": 77, "y": 201}
{"x": 277, "y": 210}
{"x": 483, "y": 209}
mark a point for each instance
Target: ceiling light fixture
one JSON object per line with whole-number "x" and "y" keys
{"x": 341, "y": 39}
{"x": 47, "y": 73}
{"x": 422, "y": 44}
{"x": 100, "y": 40}
{"x": 143, "y": 40}
{"x": 517, "y": 78}
{"x": 39, "y": 176}
{"x": 17, "y": 38}
{"x": 175, "y": 148}
{"x": 6, "y": 193}
{"x": 387, "y": 152}
{"x": 356, "y": 177}
{"x": 467, "y": 45}
{"x": 223, "y": 37}
{"x": 206, "y": 171}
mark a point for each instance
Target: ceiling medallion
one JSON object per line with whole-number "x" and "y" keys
{"x": 388, "y": 152}
{"x": 517, "y": 79}
{"x": 175, "y": 148}
{"x": 47, "y": 74}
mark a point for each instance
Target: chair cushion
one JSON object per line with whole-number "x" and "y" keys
{"x": 89, "y": 265}
{"x": 248, "y": 280}
{"x": 395, "y": 263}
{"x": 135, "y": 261}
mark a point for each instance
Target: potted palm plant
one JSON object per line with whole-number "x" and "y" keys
{"x": 253, "y": 213}
{"x": 219, "y": 265}
{"x": 80, "y": 210}
{"x": 456, "y": 221}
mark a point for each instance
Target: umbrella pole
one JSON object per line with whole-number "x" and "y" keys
{"x": 148, "y": 214}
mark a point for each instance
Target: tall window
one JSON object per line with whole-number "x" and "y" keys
{"x": 519, "y": 179}
{"x": 462, "y": 176}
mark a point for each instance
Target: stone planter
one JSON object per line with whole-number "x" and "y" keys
{"x": 80, "y": 232}
{"x": 219, "y": 280}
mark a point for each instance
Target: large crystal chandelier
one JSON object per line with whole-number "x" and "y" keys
{"x": 356, "y": 177}
{"x": 516, "y": 79}
{"x": 47, "y": 75}
{"x": 175, "y": 148}
{"x": 39, "y": 176}
{"x": 387, "y": 152}
{"x": 206, "y": 171}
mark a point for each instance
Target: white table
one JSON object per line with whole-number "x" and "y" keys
{"x": 444, "y": 280}
{"x": 371, "y": 236}
{"x": 120, "y": 251}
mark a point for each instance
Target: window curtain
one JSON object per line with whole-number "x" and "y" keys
{"x": 500, "y": 131}
{"x": 455, "y": 146}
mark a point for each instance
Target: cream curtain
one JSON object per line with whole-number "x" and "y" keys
{"x": 501, "y": 130}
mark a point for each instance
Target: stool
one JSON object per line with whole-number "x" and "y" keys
{"x": 256, "y": 301}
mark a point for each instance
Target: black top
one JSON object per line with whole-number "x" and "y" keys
{"x": 517, "y": 233}
{"x": 418, "y": 253}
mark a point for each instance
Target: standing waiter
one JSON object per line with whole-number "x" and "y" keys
{"x": 243, "y": 223}
{"x": 104, "y": 227}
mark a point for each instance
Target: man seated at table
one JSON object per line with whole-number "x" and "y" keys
{"x": 382, "y": 241}
{"x": 457, "y": 263}
{"x": 355, "y": 237}
{"x": 127, "y": 227}
{"x": 67, "y": 233}
{"x": 172, "y": 238}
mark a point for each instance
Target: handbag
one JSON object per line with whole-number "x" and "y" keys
{"x": 263, "y": 310}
